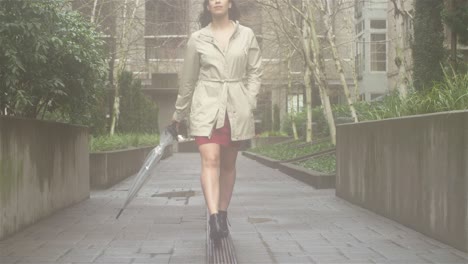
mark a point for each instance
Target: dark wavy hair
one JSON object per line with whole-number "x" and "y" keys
{"x": 205, "y": 16}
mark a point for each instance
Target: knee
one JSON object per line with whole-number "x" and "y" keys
{"x": 211, "y": 161}
{"x": 228, "y": 167}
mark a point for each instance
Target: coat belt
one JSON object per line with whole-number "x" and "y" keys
{"x": 221, "y": 80}
{"x": 223, "y": 99}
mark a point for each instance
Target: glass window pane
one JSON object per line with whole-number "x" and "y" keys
{"x": 377, "y": 37}
{"x": 378, "y": 52}
{"x": 381, "y": 56}
{"x": 381, "y": 66}
{"x": 378, "y": 24}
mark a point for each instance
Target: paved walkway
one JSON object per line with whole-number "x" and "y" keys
{"x": 275, "y": 219}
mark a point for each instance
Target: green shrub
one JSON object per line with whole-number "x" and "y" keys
{"x": 52, "y": 62}
{"x": 447, "y": 95}
{"x": 138, "y": 114}
{"x": 325, "y": 164}
{"x": 319, "y": 126}
{"x": 273, "y": 134}
{"x": 122, "y": 141}
{"x": 450, "y": 94}
{"x": 291, "y": 150}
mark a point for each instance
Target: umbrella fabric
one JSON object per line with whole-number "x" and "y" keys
{"x": 152, "y": 159}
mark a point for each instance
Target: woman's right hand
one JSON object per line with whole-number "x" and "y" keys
{"x": 175, "y": 124}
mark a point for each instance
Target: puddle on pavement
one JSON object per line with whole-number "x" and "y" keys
{"x": 255, "y": 220}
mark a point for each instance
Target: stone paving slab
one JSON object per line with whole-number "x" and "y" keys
{"x": 166, "y": 223}
{"x": 274, "y": 219}
{"x": 277, "y": 219}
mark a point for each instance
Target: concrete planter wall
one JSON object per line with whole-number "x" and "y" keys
{"x": 44, "y": 167}
{"x": 191, "y": 146}
{"x": 413, "y": 170}
{"x": 110, "y": 167}
{"x": 315, "y": 179}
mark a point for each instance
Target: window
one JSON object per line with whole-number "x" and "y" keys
{"x": 164, "y": 80}
{"x": 166, "y": 17}
{"x": 378, "y": 24}
{"x": 165, "y": 48}
{"x": 295, "y": 103}
{"x": 378, "y": 52}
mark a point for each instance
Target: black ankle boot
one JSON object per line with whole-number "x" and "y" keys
{"x": 223, "y": 223}
{"x": 215, "y": 229}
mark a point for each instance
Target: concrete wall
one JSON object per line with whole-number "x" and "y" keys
{"x": 412, "y": 170}
{"x": 44, "y": 167}
{"x": 110, "y": 167}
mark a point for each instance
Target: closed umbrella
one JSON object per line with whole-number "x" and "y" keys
{"x": 167, "y": 137}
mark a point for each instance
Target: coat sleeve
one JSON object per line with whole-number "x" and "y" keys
{"x": 188, "y": 80}
{"x": 254, "y": 71}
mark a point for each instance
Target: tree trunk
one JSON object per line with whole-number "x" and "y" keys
{"x": 292, "y": 115}
{"x": 308, "y": 90}
{"x": 306, "y": 34}
{"x": 400, "y": 58}
{"x": 326, "y": 16}
{"x": 453, "y": 38}
{"x": 123, "y": 50}
{"x": 93, "y": 13}
{"x": 355, "y": 79}
{"x": 320, "y": 76}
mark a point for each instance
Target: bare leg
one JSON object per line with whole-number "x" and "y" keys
{"x": 227, "y": 176}
{"x": 210, "y": 156}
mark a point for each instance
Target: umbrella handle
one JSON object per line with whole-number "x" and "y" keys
{"x": 172, "y": 129}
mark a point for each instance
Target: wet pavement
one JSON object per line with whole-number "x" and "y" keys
{"x": 274, "y": 219}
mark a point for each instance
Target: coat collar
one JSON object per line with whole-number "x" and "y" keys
{"x": 206, "y": 31}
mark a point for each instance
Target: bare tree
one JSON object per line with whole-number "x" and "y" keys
{"x": 402, "y": 17}
{"x": 317, "y": 65}
{"x": 328, "y": 12}
{"x": 296, "y": 20}
{"x": 285, "y": 53}
{"x": 292, "y": 114}
{"x": 117, "y": 21}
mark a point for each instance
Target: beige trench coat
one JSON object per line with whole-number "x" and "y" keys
{"x": 212, "y": 83}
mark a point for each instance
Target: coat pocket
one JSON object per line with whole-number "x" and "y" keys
{"x": 252, "y": 100}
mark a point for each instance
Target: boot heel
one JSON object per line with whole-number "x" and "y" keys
{"x": 215, "y": 229}
{"x": 223, "y": 223}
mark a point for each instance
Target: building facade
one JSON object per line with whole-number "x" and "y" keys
{"x": 405, "y": 43}
{"x": 371, "y": 49}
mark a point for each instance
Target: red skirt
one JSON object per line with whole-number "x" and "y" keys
{"x": 220, "y": 136}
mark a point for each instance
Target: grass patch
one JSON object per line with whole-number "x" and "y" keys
{"x": 325, "y": 163}
{"x": 122, "y": 141}
{"x": 290, "y": 150}
{"x": 273, "y": 134}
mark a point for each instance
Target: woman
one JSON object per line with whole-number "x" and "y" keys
{"x": 217, "y": 59}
